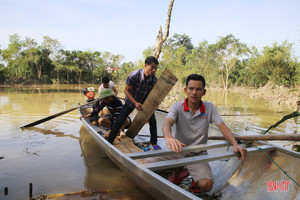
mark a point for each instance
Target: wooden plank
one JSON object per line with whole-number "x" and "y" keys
{"x": 128, "y": 143}
{"x": 120, "y": 146}
{"x": 200, "y": 147}
{"x": 162, "y": 87}
{"x": 200, "y": 159}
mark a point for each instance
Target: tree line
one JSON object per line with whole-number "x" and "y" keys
{"x": 225, "y": 63}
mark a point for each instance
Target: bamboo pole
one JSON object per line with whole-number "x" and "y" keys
{"x": 56, "y": 115}
{"x": 292, "y": 137}
{"x": 251, "y": 137}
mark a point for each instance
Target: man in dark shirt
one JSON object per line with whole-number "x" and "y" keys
{"x": 138, "y": 86}
{"x": 114, "y": 105}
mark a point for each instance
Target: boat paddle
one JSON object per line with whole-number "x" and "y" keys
{"x": 55, "y": 115}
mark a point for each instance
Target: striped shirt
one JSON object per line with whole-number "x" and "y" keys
{"x": 114, "y": 108}
{"x": 140, "y": 87}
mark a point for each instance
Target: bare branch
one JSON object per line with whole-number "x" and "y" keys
{"x": 161, "y": 38}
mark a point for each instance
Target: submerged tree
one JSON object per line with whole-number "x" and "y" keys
{"x": 229, "y": 51}
{"x": 161, "y": 38}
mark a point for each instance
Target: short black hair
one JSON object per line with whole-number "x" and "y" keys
{"x": 105, "y": 80}
{"x": 151, "y": 59}
{"x": 196, "y": 77}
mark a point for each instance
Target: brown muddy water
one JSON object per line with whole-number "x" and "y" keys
{"x": 59, "y": 156}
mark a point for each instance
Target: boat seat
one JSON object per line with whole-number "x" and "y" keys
{"x": 200, "y": 147}
{"x": 167, "y": 164}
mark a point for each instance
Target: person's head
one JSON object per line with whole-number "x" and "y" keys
{"x": 151, "y": 64}
{"x": 195, "y": 88}
{"x": 105, "y": 82}
{"x": 196, "y": 77}
{"x": 107, "y": 95}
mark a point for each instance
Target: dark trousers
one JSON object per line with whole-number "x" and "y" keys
{"x": 126, "y": 110}
{"x": 95, "y": 117}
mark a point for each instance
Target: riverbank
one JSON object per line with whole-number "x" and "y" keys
{"x": 275, "y": 95}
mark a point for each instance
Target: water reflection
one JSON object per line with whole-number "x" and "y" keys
{"x": 102, "y": 175}
{"x": 50, "y": 132}
{"x": 266, "y": 114}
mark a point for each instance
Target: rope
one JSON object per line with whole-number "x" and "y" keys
{"x": 278, "y": 166}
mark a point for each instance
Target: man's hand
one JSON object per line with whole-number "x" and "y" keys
{"x": 241, "y": 150}
{"x": 174, "y": 144}
{"x": 138, "y": 106}
{"x": 85, "y": 116}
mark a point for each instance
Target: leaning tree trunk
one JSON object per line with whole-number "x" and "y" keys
{"x": 161, "y": 38}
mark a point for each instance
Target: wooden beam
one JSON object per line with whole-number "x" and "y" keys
{"x": 162, "y": 87}
{"x": 167, "y": 164}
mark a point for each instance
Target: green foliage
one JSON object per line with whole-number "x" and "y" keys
{"x": 297, "y": 73}
{"x": 178, "y": 40}
{"x": 125, "y": 70}
{"x": 24, "y": 61}
{"x": 224, "y": 63}
{"x": 276, "y": 64}
{"x": 229, "y": 51}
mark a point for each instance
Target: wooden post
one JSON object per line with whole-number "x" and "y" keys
{"x": 160, "y": 90}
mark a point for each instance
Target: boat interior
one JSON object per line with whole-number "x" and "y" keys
{"x": 255, "y": 178}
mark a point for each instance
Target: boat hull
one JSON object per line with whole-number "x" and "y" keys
{"x": 234, "y": 179}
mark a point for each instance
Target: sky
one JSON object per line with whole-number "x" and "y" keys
{"x": 128, "y": 27}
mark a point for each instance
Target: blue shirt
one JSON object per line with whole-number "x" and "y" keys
{"x": 140, "y": 87}
{"x": 114, "y": 107}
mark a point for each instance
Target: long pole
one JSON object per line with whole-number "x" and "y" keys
{"x": 292, "y": 137}
{"x": 55, "y": 115}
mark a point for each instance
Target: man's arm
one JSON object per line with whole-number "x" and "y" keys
{"x": 230, "y": 138}
{"x": 172, "y": 143}
{"x": 138, "y": 105}
{"x": 115, "y": 90}
{"x": 99, "y": 90}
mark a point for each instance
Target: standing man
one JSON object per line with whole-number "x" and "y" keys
{"x": 192, "y": 118}
{"x": 138, "y": 86}
{"x": 106, "y": 83}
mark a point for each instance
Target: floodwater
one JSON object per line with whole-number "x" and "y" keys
{"x": 59, "y": 156}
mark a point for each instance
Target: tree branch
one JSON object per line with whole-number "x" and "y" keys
{"x": 161, "y": 38}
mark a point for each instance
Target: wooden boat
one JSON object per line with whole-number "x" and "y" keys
{"x": 258, "y": 177}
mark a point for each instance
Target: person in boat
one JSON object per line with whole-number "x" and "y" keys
{"x": 138, "y": 86}
{"x": 106, "y": 83}
{"x": 89, "y": 93}
{"x": 114, "y": 106}
{"x": 192, "y": 118}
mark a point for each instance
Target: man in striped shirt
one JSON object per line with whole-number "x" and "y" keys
{"x": 138, "y": 86}
{"x": 114, "y": 105}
